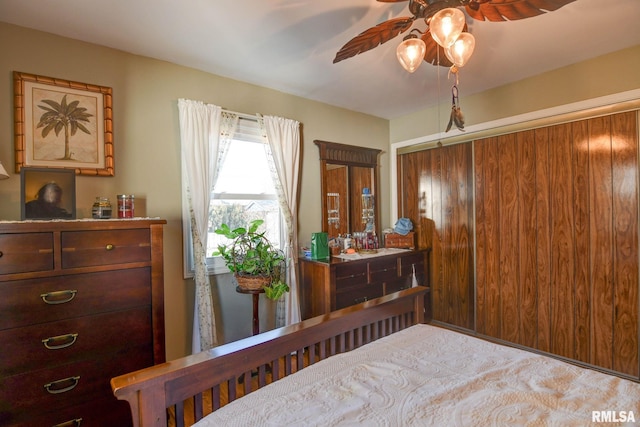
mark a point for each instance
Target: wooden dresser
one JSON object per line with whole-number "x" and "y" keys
{"x": 328, "y": 285}
{"x": 82, "y": 301}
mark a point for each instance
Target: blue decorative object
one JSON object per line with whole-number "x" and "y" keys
{"x": 403, "y": 226}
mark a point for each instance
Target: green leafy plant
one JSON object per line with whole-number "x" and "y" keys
{"x": 250, "y": 253}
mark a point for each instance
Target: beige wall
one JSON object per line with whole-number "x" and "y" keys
{"x": 605, "y": 75}
{"x": 147, "y": 148}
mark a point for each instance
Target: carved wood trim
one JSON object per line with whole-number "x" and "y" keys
{"x": 334, "y": 152}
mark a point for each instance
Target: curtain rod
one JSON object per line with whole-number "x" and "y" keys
{"x": 251, "y": 117}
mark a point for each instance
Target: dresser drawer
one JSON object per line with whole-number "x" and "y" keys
{"x": 26, "y": 252}
{"x": 357, "y": 295}
{"x": 383, "y": 270}
{"x": 72, "y": 384}
{"x": 397, "y": 285}
{"x": 65, "y": 341}
{"x": 105, "y": 412}
{"x": 36, "y": 301}
{"x": 106, "y": 247}
{"x": 409, "y": 262}
{"x": 350, "y": 275}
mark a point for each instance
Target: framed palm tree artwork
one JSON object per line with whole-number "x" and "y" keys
{"x": 63, "y": 124}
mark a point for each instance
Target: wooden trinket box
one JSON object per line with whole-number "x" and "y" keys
{"x": 395, "y": 240}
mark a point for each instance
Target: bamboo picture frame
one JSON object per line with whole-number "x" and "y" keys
{"x": 63, "y": 124}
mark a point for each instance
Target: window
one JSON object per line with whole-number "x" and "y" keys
{"x": 244, "y": 191}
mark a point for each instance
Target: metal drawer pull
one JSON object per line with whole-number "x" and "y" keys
{"x": 52, "y": 386}
{"x": 71, "y": 423}
{"x": 109, "y": 247}
{"x": 54, "y": 297}
{"x": 67, "y": 341}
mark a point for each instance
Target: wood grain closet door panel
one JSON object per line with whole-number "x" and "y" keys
{"x": 582, "y": 212}
{"x": 508, "y": 237}
{"x": 429, "y": 179}
{"x": 557, "y": 240}
{"x": 457, "y": 228}
{"x": 481, "y": 238}
{"x": 487, "y": 235}
{"x": 526, "y": 239}
{"x": 436, "y": 188}
{"x": 409, "y": 202}
{"x": 421, "y": 202}
{"x": 601, "y": 247}
{"x": 562, "y": 239}
{"x": 543, "y": 239}
{"x": 625, "y": 229}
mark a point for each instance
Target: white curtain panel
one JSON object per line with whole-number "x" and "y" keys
{"x": 283, "y": 136}
{"x": 199, "y": 136}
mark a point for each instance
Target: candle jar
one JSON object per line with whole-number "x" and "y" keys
{"x": 125, "y": 205}
{"x": 101, "y": 208}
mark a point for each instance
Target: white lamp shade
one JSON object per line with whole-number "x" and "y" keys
{"x": 446, "y": 25}
{"x": 460, "y": 51}
{"x": 3, "y": 172}
{"x": 411, "y": 53}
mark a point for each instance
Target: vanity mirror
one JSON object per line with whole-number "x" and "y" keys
{"x": 349, "y": 183}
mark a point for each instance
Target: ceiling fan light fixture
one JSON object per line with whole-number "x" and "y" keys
{"x": 460, "y": 51}
{"x": 411, "y": 53}
{"x": 446, "y": 25}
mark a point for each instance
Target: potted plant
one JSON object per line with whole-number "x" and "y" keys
{"x": 252, "y": 258}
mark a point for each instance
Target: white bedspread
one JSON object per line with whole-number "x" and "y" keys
{"x": 429, "y": 376}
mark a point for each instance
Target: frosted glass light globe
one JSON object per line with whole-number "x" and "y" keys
{"x": 460, "y": 51}
{"x": 411, "y": 53}
{"x": 446, "y": 25}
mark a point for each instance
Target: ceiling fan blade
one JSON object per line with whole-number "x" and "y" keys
{"x": 511, "y": 10}
{"x": 374, "y": 37}
{"x": 434, "y": 54}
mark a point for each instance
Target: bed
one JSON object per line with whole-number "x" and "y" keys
{"x": 375, "y": 364}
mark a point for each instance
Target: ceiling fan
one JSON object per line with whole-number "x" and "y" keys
{"x": 434, "y": 53}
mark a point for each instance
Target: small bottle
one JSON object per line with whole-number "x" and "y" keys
{"x": 347, "y": 242}
{"x": 125, "y": 205}
{"x": 101, "y": 208}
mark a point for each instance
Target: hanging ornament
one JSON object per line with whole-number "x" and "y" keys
{"x": 456, "y": 114}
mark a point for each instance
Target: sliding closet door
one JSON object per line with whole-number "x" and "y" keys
{"x": 557, "y": 240}
{"x": 437, "y": 195}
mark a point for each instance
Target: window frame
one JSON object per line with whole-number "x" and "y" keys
{"x": 249, "y": 131}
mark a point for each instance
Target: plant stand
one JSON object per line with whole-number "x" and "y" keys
{"x": 256, "y": 300}
{"x": 255, "y": 293}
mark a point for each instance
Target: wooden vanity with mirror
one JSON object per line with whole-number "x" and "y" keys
{"x": 344, "y": 280}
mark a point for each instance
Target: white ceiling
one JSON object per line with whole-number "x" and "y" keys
{"x": 289, "y": 45}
